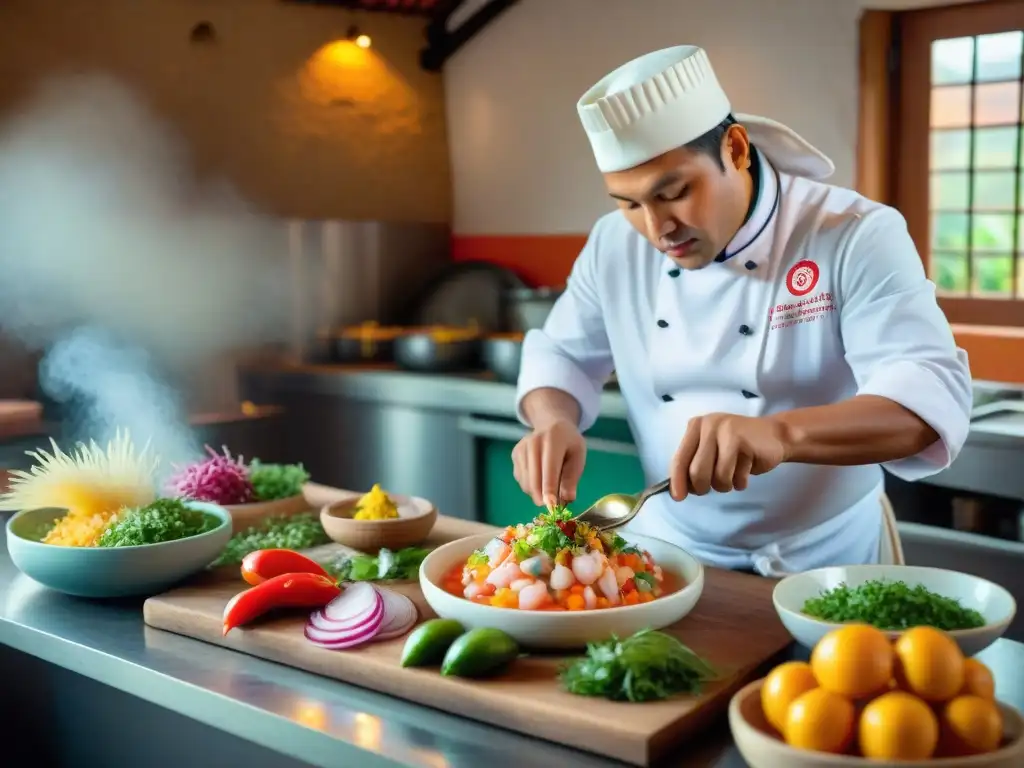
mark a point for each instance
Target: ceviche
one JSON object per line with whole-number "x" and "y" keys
{"x": 556, "y": 563}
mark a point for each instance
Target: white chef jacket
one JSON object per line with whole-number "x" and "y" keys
{"x": 820, "y": 296}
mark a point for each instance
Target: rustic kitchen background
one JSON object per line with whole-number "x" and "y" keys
{"x": 458, "y": 193}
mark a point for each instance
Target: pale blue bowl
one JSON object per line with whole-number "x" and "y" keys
{"x": 110, "y": 572}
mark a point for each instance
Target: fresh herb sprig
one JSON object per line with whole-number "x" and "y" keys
{"x": 402, "y": 564}
{"x": 162, "y": 520}
{"x": 276, "y": 481}
{"x": 646, "y": 666}
{"x": 892, "y": 605}
{"x": 301, "y": 531}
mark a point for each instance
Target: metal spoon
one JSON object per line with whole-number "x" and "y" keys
{"x": 616, "y": 509}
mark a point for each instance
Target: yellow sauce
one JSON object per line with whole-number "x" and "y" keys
{"x": 376, "y": 505}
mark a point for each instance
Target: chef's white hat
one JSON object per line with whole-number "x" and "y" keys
{"x": 668, "y": 98}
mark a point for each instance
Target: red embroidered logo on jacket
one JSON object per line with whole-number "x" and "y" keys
{"x": 802, "y": 278}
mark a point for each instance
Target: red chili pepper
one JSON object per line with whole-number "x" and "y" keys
{"x": 568, "y": 527}
{"x": 289, "y": 590}
{"x": 265, "y": 564}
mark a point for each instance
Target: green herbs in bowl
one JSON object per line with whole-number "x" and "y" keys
{"x": 974, "y": 611}
{"x": 890, "y": 604}
{"x": 141, "y": 558}
{"x": 272, "y": 482}
{"x": 163, "y": 520}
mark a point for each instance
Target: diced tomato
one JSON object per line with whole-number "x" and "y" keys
{"x": 568, "y": 527}
{"x": 629, "y": 585}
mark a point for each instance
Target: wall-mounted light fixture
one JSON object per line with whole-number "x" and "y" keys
{"x": 357, "y": 37}
{"x": 203, "y": 32}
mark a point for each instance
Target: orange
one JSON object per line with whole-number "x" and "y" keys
{"x": 978, "y": 680}
{"x": 929, "y": 664}
{"x": 898, "y": 726}
{"x": 781, "y": 687}
{"x": 855, "y": 661}
{"x": 971, "y": 725}
{"x": 821, "y": 721}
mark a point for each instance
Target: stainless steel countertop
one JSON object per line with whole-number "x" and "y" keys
{"x": 481, "y": 393}
{"x": 309, "y": 718}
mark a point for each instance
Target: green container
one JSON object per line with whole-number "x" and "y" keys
{"x": 101, "y": 572}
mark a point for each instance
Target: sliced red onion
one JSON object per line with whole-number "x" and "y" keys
{"x": 363, "y": 612}
{"x": 400, "y": 615}
{"x": 337, "y": 641}
{"x": 359, "y": 601}
{"x": 372, "y": 615}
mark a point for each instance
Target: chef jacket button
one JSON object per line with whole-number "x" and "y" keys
{"x": 662, "y": 324}
{"x": 674, "y": 273}
{"x": 667, "y": 398}
{"x": 748, "y": 395}
{"x": 745, "y": 330}
{"x": 750, "y": 265}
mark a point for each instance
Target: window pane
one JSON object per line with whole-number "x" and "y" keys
{"x": 1020, "y": 274}
{"x": 993, "y": 276}
{"x": 951, "y": 149}
{"x": 995, "y": 147}
{"x": 951, "y": 106}
{"x": 992, "y": 232}
{"x": 952, "y": 60}
{"x": 949, "y": 271}
{"x": 996, "y": 103}
{"x": 995, "y": 190}
{"x": 950, "y": 191}
{"x": 999, "y": 56}
{"x": 949, "y": 231}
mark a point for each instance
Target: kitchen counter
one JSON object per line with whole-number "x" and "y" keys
{"x": 988, "y": 464}
{"x": 309, "y": 719}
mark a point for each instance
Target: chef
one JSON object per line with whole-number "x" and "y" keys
{"x": 775, "y": 338}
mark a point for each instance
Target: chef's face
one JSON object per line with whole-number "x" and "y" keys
{"x": 688, "y": 203}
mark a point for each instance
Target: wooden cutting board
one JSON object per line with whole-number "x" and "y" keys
{"x": 734, "y": 626}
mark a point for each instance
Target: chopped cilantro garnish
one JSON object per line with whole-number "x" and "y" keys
{"x": 477, "y": 559}
{"x": 644, "y": 580}
{"x": 522, "y": 549}
{"x": 550, "y": 539}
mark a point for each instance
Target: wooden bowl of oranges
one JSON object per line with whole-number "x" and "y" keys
{"x": 866, "y": 700}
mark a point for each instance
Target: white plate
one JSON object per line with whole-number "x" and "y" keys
{"x": 564, "y": 629}
{"x": 994, "y": 603}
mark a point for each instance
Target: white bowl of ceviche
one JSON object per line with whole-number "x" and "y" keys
{"x": 549, "y": 589}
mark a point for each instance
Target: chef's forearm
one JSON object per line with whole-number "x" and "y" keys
{"x": 547, "y": 405}
{"x": 866, "y": 429}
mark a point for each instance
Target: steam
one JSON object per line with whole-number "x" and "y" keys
{"x": 131, "y": 271}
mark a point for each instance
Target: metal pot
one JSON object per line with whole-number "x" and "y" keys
{"x": 430, "y": 352}
{"x": 362, "y": 344}
{"x": 530, "y": 307}
{"x": 502, "y": 355}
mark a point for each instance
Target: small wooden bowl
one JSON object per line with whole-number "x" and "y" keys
{"x": 244, "y": 516}
{"x": 414, "y": 523}
{"x": 761, "y": 746}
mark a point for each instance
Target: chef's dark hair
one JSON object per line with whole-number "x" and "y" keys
{"x": 710, "y": 143}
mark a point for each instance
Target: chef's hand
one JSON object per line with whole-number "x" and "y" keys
{"x": 722, "y": 450}
{"x": 549, "y": 461}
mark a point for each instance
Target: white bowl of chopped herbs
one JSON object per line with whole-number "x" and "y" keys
{"x": 548, "y": 629}
{"x": 140, "y": 551}
{"x": 974, "y": 611}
